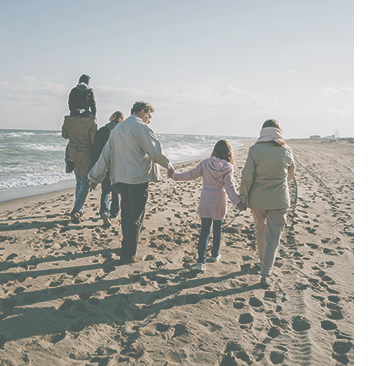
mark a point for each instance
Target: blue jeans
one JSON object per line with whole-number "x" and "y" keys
{"x": 82, "y": 186}
{"x": 206, "y": 224}
{"x": 105, "y": 198}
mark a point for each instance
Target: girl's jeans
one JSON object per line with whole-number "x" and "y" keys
{"x": 206, "y": 224}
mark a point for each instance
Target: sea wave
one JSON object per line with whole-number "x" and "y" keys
{"x": 42, "y": 147}
{"x": 33, "y": 180}
{"x": 36, "y": 158}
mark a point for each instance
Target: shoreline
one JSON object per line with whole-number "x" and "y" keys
{"x": 18, "y": 195}
{"x": 51, "y": 193}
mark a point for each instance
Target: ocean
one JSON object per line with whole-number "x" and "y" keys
{"x": 32, "y": 161}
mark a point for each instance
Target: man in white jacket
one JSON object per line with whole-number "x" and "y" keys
{"x": 132, "y": 154}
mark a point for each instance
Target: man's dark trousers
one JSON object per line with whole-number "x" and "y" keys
{"x": 133, "y": 200}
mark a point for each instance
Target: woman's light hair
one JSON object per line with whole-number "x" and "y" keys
{"x": 273, "y": 123}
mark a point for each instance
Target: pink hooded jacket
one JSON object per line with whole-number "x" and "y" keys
{"x": 217, "y": 184}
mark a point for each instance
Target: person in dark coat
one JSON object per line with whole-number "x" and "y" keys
{"x": 81, "y": 99}
{"x": 101, "y": 137}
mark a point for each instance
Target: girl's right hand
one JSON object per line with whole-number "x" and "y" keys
{"x": 170, "y": 172}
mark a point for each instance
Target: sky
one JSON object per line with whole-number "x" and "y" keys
{"x": 215, "y": 67}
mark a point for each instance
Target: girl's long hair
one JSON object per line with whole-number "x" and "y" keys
{"x": 223, "y": 150}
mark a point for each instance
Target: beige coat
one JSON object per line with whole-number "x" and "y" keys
{"x": 265, "y": 176}
{"x": 78, "y": 155}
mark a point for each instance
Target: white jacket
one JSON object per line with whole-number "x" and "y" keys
{"x": 132, "y": 153}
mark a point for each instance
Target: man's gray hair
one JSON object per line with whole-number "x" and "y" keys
{"x": 139, "y": 106}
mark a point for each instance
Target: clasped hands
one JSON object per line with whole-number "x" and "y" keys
{"x": 170, "y": 171}
{"x": 93, "y": 185}
{"x": 241, "y": 206}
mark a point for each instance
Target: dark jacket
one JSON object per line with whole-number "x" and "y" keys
{"x": 82, "y": 97}
{"x": 101, "y": 137}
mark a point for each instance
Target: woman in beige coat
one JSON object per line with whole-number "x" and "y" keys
{"x": 264, "y": 189}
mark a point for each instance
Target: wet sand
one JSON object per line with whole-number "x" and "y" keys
{"x": 65, "y": 300}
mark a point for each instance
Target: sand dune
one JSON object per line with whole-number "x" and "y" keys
{"x": 65, "y": 300}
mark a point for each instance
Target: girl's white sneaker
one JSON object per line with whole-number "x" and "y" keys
{"x": 216, "y": 259}
{"x": 201, "y": 267}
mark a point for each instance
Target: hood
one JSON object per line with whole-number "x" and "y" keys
{"x": 83, "y": 86}
{"x": 270, "y": 133}
{"x": 111, "y": 125}
{"x": 218, "y": 167}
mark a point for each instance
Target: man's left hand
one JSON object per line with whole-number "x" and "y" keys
{"x": 170, "y": 172}
{"x": 93, "y": 185}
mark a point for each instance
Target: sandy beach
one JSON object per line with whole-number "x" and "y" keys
{"x": 65, "y": 300}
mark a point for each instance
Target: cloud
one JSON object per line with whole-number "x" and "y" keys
{"x": 338, "y": 110}
{"x": 28, "y": 79}
{"x": 349, "y": 90}
{"x": 45, "y": 94}
{"x": 287, "y": 72}
{"x": 193, "y": 109}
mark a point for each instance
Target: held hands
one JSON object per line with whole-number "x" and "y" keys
{"x": 241, "y": 206}
{"x": 170, "y": 172}
{"x": 93, "y": 185}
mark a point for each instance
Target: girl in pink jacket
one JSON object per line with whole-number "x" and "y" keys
{"x": 217, "y": 173}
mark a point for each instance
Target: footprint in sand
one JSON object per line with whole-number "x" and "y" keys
{"x": 300, "y": 323}
{"x": 66, "y": 304}
{"x": 273, "y": 332}
{"x": 256, "y": 304}
{"x": 235, "y": 351}
{"x": 55, "y": 338}
{"x": 11, "y": 256}
{"x": 246, "y": 318}
{"x": 340, "y": 349}
{"x": 277, "y": 357}
{"x": 112, "y": 290}
{"x": 328, "y": 325}
{"x": 335, "y": 314}
{"x": 55, "y": 283}
{"x": 270, "y": 295}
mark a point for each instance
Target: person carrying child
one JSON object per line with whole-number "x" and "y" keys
{"x": 217, "y": 173}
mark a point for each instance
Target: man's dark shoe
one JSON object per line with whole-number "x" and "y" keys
{"x": 129, "y": 261}
{"x": 265, "y": 281}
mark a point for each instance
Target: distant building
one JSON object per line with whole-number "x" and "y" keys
{"x": 315, "y": 137}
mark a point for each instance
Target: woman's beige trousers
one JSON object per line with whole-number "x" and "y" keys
{"x": 269, "y": 225}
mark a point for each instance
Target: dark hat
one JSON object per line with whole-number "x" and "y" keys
{"x": 84, "y": 79}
